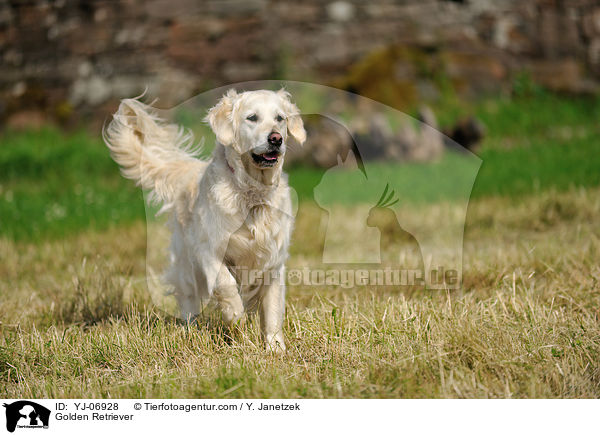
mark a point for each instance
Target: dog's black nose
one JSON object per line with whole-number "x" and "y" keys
{"x": 275, "y": 139}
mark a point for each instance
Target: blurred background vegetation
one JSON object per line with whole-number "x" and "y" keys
{"x": 527, "y": 72}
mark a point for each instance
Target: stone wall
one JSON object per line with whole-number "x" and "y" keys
{"x": 66, "y": 57}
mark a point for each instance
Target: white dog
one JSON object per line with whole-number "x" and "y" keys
{"x": 229, "y": 214}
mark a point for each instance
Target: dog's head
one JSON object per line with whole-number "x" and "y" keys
{"x": 257, "y": 124}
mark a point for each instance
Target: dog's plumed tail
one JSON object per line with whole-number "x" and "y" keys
{"x": 160, "y": 157}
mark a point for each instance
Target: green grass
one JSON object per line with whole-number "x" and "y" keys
{"x": 450, "y": 178}
{"x": 536, "y": 112}
{"x": 531, "y": 145}
{"x": 539, "y": 164}
{"x": 52, "y": 184}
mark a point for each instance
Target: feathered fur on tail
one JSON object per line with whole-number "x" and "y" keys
{"x": 160, "y": 157}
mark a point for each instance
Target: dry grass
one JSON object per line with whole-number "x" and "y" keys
{"x": 525, "y": 323}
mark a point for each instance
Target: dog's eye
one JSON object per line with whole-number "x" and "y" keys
{"x": 252, "y": 118}
{"x": 279, "y": 118}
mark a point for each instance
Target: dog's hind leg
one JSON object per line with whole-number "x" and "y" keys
{"x": 182, "y": 279}
{"x": 189, "y": 306}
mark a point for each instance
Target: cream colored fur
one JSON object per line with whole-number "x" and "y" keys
{"x": 228, "y": 214}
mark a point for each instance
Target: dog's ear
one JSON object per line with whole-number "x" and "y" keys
{"x": 220, "y": 118}
{"x": 294, "y": 122}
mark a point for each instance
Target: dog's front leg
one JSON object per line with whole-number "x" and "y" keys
{"x": 221, "y": 285}
{"x": 227, "y": 295}
{"x": 272, "y": 310}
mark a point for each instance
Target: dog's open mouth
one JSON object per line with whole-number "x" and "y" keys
{"x": 266, "y": 160}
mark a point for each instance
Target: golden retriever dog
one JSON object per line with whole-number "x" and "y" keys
{"x": 229, "y": 214}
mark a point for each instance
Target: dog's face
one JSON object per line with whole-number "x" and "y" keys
{"x": 257, "y": 125}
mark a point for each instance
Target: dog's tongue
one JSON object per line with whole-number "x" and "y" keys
{"x": 270, "y": 156}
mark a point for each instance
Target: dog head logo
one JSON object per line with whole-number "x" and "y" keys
{"x": 26, "y": 414}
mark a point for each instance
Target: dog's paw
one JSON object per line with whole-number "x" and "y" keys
{"x": 232, "y": 310}
{"x": 275, "y": 343}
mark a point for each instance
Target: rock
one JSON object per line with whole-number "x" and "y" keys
{"x": 564, "y": 75}
{"x": 558, "y": 32}
{"x": 240, "y": 72}
{"x": 124, "y": 86}
{"x": 427, "y": 143}
{"x": 475, "y": 71}
{"x": 591, "y": 23}
{"x": 19, "y": 89}
{"x": 174, "y": 86}
{"x": 594, "y": 54}
{"x": 91, "y": 90}
{"x": 373, "y": 138}
{"x": 326, "y": 139}
{"x": 85, "y": 69}
{"x": 340, "y": 11}
{"x": 467, "y": 133}
{"x": 101, "y": 14}
{"x": 303, "y": 12}
{"x": 235, "y": 7}
{"x": 509, "y": 34}
{"x": 27, "y": 119}
{"x": 169, "y": 9}
{"x": 336, "y": 50}
{"x": 396, "y": 52}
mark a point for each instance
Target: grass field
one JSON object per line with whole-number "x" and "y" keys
{"x": 77, "y": 321}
